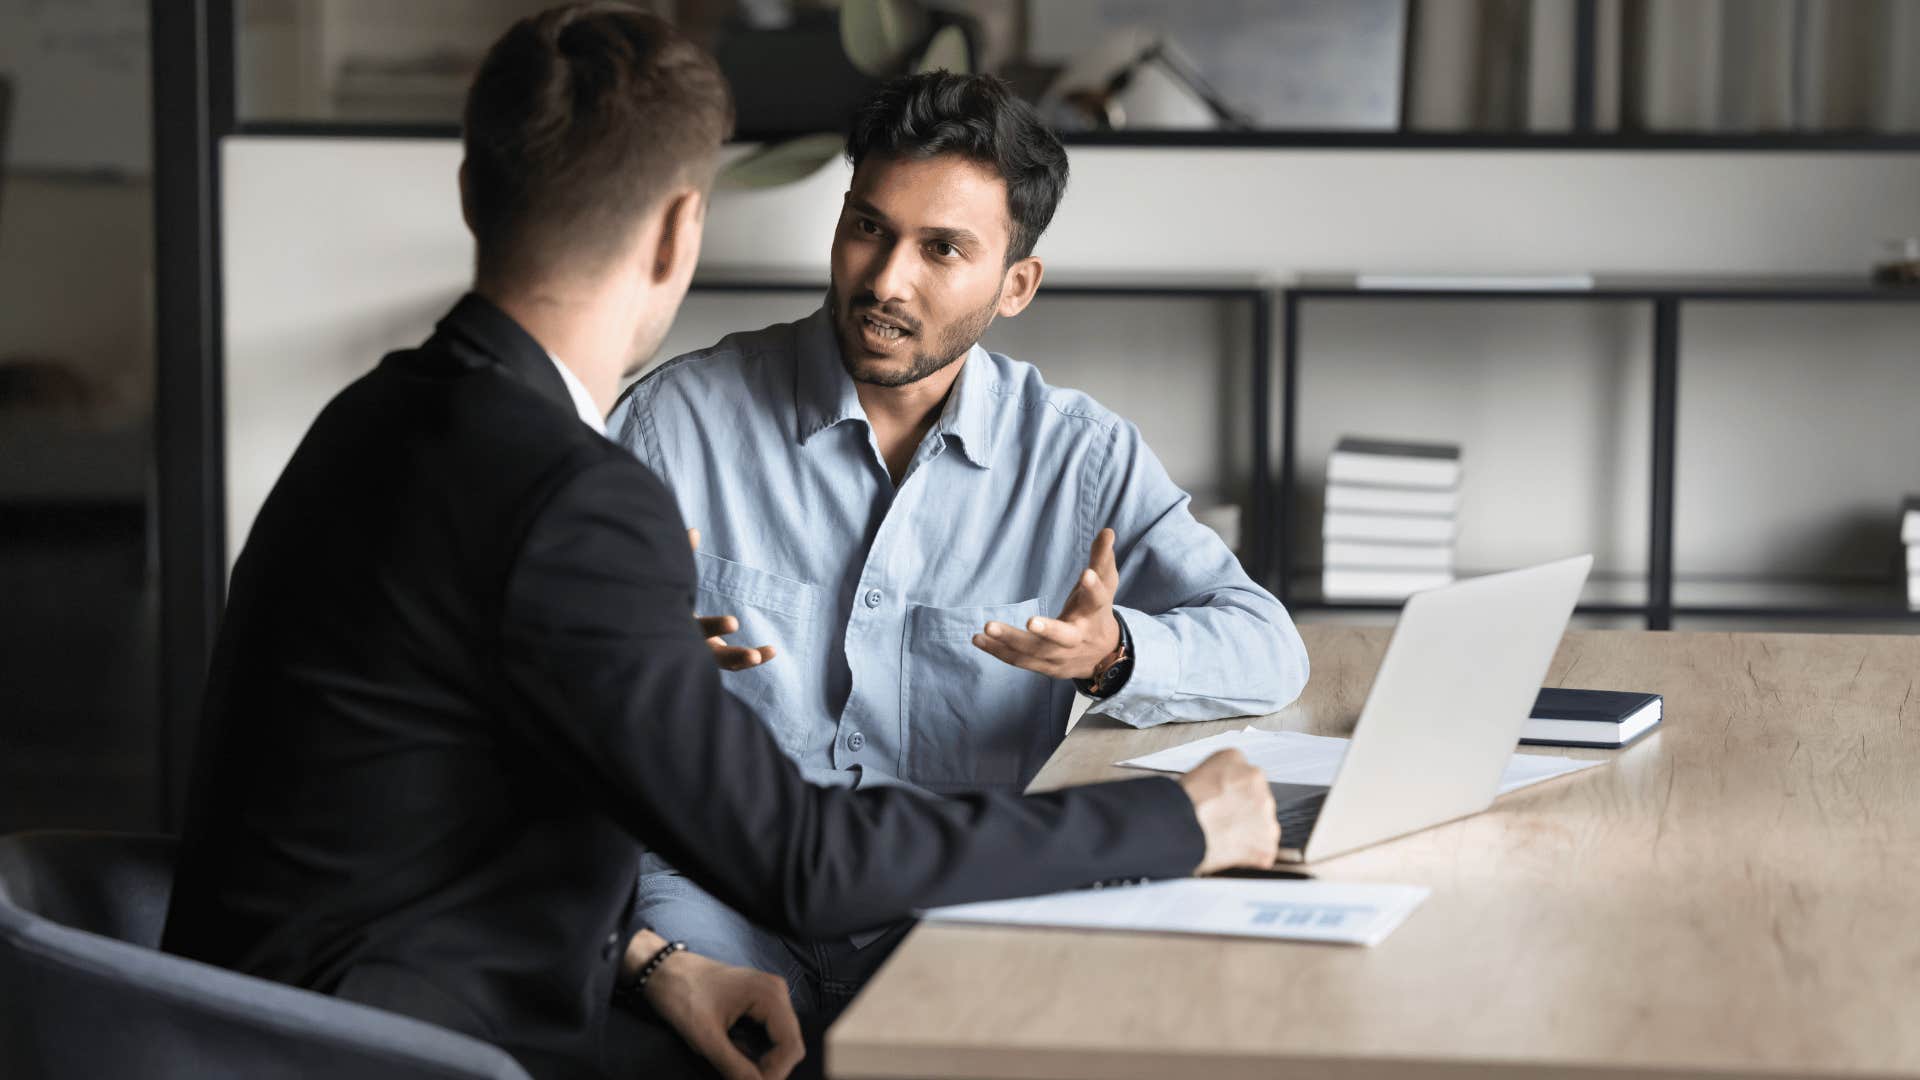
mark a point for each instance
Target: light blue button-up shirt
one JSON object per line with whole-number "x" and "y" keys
{"x": 872, "y": 593}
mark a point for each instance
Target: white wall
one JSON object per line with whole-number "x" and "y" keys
{"x": 1795, "y": 421}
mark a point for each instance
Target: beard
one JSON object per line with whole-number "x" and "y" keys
{"x": 949, "y": 343}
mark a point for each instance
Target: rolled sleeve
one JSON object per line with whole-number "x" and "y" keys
{"x": 1208, "y": 642}
{"x": 1155, "y": 677}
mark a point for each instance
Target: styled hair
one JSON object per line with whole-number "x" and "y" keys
{"x": 981, "y": 119}
{"x": 580, "y": 119}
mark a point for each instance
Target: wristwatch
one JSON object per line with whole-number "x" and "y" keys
{"x": 1110, "y": 674}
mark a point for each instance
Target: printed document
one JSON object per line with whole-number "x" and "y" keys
{"x": 1343, "y": 914}
{"x": 1292, "y": 757}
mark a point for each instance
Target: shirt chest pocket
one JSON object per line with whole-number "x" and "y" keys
{"x": 972, "y": 721}
{"x": 773, "y": 610}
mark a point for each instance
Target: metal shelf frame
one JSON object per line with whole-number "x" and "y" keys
{"x": 1667, "y": 295}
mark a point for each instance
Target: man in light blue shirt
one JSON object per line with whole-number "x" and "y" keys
{"x": 942, "y": 547}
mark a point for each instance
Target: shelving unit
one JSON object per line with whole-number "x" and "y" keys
{"x": 1667, "y": 295}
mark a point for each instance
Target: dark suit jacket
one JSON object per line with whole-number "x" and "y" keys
{"x": 459, "y": 676}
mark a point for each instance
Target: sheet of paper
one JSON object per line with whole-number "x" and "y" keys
{"x": 1291, "y": 757}
{"x": 1238, "y": 907}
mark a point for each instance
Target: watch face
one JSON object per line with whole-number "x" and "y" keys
{"x": 1114, "y": 675}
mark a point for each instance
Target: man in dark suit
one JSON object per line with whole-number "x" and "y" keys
{"x": 459, "y": 672}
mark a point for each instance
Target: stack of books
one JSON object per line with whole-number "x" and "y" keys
{"x": 1390, "y": 522}
{"x": 1910, "y": 536}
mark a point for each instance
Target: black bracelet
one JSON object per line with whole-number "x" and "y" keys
{"x": 639, "y": 980}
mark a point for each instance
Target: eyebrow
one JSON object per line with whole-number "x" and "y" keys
{"x": 946, "y": 234}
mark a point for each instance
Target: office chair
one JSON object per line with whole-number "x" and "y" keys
{"x": 89, "y": 994}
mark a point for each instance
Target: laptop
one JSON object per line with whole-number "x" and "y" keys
{"x": 1444, "y": 714}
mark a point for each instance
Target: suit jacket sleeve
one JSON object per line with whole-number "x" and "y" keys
{"x": 618, "y": 692}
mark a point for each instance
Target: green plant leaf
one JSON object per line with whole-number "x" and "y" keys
{"x": 782, "y": 162}
{"x": 947, "y": 51}
{"x": 877, "y": 34}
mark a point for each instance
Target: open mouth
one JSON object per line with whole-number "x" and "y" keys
{"x": 886, "y": 331}
{"x": 880, "y": 333}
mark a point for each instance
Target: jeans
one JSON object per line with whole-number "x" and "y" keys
{"x": 822, "y": 976}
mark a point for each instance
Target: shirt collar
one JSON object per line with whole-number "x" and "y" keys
{"x": 582, "y": 400}
{"x": 967, "y": 415}
{"x": 824, "y": 394}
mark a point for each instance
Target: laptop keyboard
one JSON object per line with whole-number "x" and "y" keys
{"x": 1297, "y": 818}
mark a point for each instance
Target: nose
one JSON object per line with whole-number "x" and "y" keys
{"x": 890, "y": 278}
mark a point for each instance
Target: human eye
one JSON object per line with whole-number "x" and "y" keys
{"x": 943, "y": 249}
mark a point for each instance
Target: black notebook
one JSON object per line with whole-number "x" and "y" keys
{"x": 1605, "y": 718}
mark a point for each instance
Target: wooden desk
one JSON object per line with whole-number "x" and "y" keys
{"x": 1736, "y": 895}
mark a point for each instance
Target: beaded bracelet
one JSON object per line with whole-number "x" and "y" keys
{"x": 639, "y": 980}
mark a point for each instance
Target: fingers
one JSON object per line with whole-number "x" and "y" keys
{"x": 709, "y": 1040}
{"x": 739, "y": 657}
{"x": 730, "y": 657}
{"x": 1235, "y": 809}
{"x": 1093, "y": 592}
{"x": 773, "y": 1007}
{"x": 1102, "y": 562}
{"x": 1018, "y": 642}
{"x": 1091, "y": 596}
{"x": 1030, "y": 651}
{"x": 705, "y": 1028}
{"x": 1003, "y": 652}
{"x": 693, "y": 539}
{"x": 1057, "y": 632}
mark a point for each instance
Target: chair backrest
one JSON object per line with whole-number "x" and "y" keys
{"x": 112, "y": 884}
{"x": 93, "y": 997}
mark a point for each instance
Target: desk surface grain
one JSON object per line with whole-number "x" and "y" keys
{"x": 1736, "y": 894}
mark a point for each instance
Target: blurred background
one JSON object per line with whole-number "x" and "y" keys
{"x": 1618, "y": 255}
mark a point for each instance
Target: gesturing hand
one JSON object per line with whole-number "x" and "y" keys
{"x": 715, "y": 628}
{"x": 702, "y": 999}
{"x": 1071, "y": 644}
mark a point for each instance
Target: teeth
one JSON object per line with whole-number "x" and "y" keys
{"x": 886, "y": 333}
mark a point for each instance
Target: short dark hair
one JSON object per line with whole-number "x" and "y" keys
{"x": 580, "y": 119}
{"x": 978, "y": 117}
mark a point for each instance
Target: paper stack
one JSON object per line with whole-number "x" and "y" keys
{"x": 1390, "y": 520}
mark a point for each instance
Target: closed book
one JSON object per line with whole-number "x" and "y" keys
{"x": 1355, "y": 554}
{"x": 1913, "y": 559}
{"x": 1394, "y": 464}
{"x": 1608, "y": 719}
{"x": 1910, "y": 520}
{"x": 1339, "y": 583}
{"x": 1413, "y": 502}
{"x": 1392, "y": 528}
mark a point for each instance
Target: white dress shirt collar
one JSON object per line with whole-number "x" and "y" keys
{"x": 582, "y": 400}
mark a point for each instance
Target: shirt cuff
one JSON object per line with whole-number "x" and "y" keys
{"x": 1155, "y": 677}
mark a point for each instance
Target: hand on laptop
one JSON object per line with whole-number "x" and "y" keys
{"x": 703, "y": 999}
{"x": 1071, "y": 644}
{"x": 715, "y": 628}
{"x": 1235, "y": 808}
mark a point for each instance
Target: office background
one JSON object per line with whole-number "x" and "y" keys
{"x": 310, "y": 225}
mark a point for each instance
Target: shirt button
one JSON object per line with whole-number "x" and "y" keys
{"x": 873, "y": 597}
{"x": 855, "y": 741}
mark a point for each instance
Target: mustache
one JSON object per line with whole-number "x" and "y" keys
{"x": 870, "y": 305}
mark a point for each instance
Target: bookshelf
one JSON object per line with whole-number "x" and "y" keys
{"x": 1660, "y": 599}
